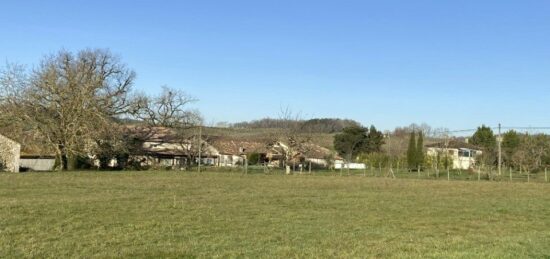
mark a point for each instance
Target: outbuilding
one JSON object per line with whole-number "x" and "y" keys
{"x": 36, "y": 163}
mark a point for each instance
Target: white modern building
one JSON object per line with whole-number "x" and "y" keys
{"x": 462, "y": 154}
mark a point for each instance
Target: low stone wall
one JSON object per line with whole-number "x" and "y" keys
{"x": 9, "y": 154}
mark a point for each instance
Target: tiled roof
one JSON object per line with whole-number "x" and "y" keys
{"x": 316, "y": 151}
{"x": 236, "y": 147}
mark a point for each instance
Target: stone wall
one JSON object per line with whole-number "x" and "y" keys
{"x": 9, "y": 154}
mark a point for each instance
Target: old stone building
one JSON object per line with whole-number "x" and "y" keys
{"x": 9, "y": 154}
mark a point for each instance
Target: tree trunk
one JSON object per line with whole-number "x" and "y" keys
{"x": 59, "y": 162}
{"x": 71, "y": 162}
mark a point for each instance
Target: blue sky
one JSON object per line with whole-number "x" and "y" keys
{"x": 453, "y": 64}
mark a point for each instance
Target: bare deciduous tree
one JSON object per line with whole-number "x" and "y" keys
{"x": 13, "y": 81}
{"x": 170, "y": 109}
{"x": 291, "y": 140}
{"x": 69, "y": 97}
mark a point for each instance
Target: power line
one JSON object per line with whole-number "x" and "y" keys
{"x": 503, "y": 128}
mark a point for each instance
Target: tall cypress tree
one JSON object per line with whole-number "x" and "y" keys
{"x": 411, "y": 151}
{"x": 420, "y": 150}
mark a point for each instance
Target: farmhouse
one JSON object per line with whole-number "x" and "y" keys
{"x": 320, "y": 156}
{"x": 9, "y": 154}
{"x": 163, "y": 147}
{"x": 309, "y": 154}
{"x": 462, "y": 154}
{"x": 232, "y": 152}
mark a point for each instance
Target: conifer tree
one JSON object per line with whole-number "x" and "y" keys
{"x": 419, "y": 151}
{"x": 411, "y": 151}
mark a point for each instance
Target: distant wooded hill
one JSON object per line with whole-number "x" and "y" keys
{"x": 323, "y": 125}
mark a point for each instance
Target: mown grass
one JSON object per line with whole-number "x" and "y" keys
{"x": 175, "y": 214}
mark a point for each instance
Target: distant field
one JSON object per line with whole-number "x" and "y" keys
{"x": 175, "y": 214}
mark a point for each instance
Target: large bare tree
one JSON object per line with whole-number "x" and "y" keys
{"x": 69, "y": 98}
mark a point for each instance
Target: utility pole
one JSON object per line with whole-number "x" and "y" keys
{"x": 390, "y": 172}
{"x": 447, "y": 160}
{"x": 200, "y": 147}
{"x": 499, "y": 140}
{"x": 389, "y": 151}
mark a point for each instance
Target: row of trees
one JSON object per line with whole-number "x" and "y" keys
{"x": 319, "y": 125}
{"x": 368, "y": 145}
{"x": 521, "y": 151}
{"x": 74, "y": 103}
{"x": 356, "y": 140}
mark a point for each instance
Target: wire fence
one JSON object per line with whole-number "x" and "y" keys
{"x": 506, "y": 175}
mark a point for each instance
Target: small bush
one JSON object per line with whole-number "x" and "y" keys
{"x": 83, "y": 162}
{"x": 254, "y": 158}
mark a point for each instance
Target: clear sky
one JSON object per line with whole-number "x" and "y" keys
{"x": 453, "y": 64}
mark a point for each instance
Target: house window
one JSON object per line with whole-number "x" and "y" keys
{"x": 464, "y": 153}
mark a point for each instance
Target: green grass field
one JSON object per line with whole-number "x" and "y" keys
{"x": 175, "y": 214}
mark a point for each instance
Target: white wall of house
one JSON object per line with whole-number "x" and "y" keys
{"x": 463, "y": 163}
{"x": 317, "y": 161}
{"x": 463, "y": 159}
{"x": 230, "y": 160}
{"x": 341, "y": 164}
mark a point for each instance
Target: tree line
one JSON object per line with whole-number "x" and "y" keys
{"x": 521, "y": 151}
{"x": 317, "y": 125}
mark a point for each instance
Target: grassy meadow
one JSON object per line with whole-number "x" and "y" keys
{"x": 177, "y": 214}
